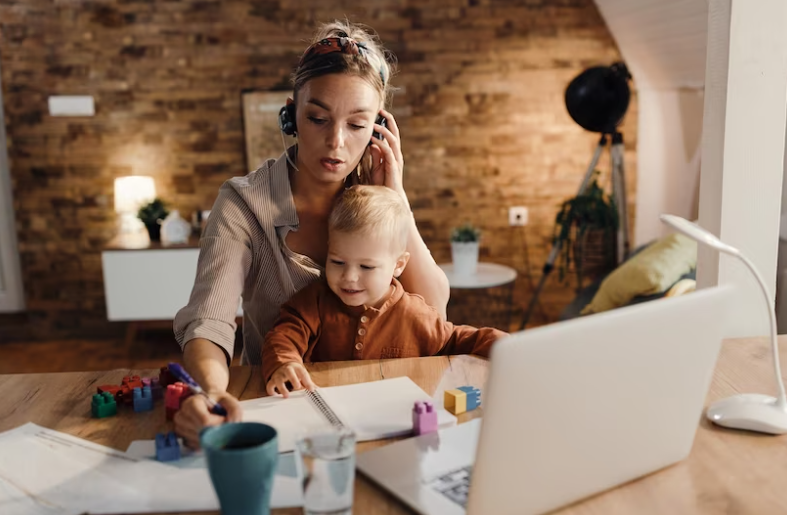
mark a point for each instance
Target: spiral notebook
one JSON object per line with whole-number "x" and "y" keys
{"x": 373, "y": 410}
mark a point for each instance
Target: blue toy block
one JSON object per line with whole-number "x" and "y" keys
{"x": 424, "y": 418}
{"x": 143, "y": 399}
{"x": 167, "y": 447}
{"x": 473, "y": 396}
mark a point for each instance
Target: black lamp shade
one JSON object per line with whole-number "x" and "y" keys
{"x": 597, "y": 99}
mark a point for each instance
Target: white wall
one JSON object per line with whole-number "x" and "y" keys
{"x": 11, "y": 295}
{"x": 668, "y": 158}
{"x": 664, "y": 44}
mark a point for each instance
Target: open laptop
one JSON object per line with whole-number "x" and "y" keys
{"x": 570, "y": 409}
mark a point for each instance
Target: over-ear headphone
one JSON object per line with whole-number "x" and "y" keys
{"x": 287, "y": 119}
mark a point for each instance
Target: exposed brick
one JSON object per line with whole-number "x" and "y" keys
{"x": 481, "y": 114}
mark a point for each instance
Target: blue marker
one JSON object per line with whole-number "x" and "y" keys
{"x": 181, "y": 375}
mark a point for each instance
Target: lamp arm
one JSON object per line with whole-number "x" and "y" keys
{"x": 782, "y": 399}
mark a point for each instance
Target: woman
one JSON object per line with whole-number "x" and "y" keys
{"x": 267, "y": 234}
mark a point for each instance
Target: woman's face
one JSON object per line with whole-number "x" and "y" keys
{"x": 335, "y": 116}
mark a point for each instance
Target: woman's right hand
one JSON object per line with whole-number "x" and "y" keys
{"x": 194, "y": 415}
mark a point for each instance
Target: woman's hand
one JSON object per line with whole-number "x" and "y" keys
{"x": 194, "y": 415}
{"x": 295, "y": 373}
{"x": 387, "y": 159}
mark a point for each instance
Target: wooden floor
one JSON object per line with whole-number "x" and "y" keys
{"x": 150, "y": 349}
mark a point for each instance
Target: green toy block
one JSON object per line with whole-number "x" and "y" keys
{"x": 103, "y": 405}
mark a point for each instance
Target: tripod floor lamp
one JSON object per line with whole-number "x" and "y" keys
{"x": 751, "y": 411}
{"x": 597, "y": 99}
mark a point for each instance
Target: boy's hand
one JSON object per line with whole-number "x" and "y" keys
{"x": 295, "y": 373}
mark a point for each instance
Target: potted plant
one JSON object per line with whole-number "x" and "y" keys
{"x": 587, "y": 224}
{"x": 151, "y": 215}
{"x": 464, "y": 249}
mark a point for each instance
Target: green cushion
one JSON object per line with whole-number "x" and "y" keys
{"x": 649, "y": 272}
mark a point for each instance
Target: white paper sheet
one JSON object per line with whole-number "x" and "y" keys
{"x": 286, "y": 485}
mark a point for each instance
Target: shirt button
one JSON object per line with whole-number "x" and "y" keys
{"x": 364, "y": 319}
{"x": 362, "y": 331}
{"x": 358, "y": 346}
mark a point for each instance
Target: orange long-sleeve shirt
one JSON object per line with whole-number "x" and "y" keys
{"x": 315, "y": 325}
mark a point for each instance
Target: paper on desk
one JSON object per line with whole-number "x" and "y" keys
{"x": 287, "y": 490}
{"x": 55, "y": 473}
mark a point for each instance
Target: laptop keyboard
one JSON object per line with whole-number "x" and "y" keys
{"x": 455, "y": 485}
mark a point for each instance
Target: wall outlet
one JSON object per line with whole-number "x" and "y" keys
{"x": 517, "y": 216}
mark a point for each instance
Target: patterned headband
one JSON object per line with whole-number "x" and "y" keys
{"x": 344, "y": 45}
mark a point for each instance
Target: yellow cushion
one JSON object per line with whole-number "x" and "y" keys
{"x": 651, "y": 271}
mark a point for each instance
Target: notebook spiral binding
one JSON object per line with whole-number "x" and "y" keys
{"x": 316, "y": 399}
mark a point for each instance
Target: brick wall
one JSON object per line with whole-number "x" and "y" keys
{"x": 481, "y": 111}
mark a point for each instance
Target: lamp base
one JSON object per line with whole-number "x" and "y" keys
{"x": 750, "y": 411}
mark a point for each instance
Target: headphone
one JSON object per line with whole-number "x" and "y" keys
{"x": 287, "y": 119}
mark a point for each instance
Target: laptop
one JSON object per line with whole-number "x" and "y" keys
{"x": 569, "y": 410}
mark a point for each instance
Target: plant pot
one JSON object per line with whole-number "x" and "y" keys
{"x": 154, "y": 231}
{"x": 464, "y": 256}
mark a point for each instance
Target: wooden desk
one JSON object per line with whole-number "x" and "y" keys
{"x": 727, "y": 471}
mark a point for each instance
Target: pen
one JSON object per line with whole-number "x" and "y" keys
{"x": 181, "y": 375}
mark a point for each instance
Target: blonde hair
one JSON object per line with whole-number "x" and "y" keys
{"x": 372, "y": 210}
{"x": 375, "y": 67}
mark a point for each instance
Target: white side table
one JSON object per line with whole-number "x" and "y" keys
{"x": 495, "y": 282}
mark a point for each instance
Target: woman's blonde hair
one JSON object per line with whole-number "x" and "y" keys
{"x": 375, "y": 65}
{"x": 377, "y": 210}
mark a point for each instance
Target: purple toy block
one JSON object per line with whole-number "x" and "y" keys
{"x": 155, "y": 387}
{"x": 167, "y": 447}
{"x": 143, "y": 399}
{"x": 424, "y": 418}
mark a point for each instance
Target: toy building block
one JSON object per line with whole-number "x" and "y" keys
{"x": 167, "y": 447}
{"x": 455, "y": 401}
{"x": 175, "y": 394}
{"x": 473, "y": 396}
{"x": 111, "y": 388}
{"x": 165, "y": 377}
{"x": 145, "y": 381}
{"x": 103, "y": 405}
{"x": 124, "y": 396}
{"x": 155, "y": 387}
{"x": 132, "y": 382}
{"x": 424, "y": 418}
{"x": 143, "y": 399}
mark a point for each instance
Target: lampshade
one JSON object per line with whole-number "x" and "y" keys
{"x": 133, "y": 192}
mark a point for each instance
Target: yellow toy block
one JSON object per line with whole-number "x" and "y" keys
{"x": 455, "y": 401}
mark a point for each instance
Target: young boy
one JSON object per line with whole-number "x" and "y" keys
{"x": 359, "y": 310}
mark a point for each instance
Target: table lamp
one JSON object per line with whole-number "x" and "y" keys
{"x": 131, "y": 193}
{"x": 750, "y": 411}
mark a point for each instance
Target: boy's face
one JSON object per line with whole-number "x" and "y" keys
{"x": 360, "y": 267}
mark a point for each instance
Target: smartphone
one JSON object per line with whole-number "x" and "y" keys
{"x": 379, "y": 121}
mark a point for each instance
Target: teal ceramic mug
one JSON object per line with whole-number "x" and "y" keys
{"x": 242, "y": 458}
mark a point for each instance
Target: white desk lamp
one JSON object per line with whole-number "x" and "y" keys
{"x": 751, "y": 411}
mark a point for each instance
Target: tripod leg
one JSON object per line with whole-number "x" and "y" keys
{"x": 558, "y": 243}
{"x": 619, "y": 194}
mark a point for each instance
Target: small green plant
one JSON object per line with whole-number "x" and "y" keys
{"x": 591, "y": 210}
{"x": 152, "y": 212}
{"x": 465, "y": 234}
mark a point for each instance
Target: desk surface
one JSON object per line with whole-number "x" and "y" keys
{"x": 727, "y": 471}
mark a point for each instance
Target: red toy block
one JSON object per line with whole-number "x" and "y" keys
{"x": 132, "y": 382}
{"x": 174, "y": 396}
{"x": 111, "y": 388}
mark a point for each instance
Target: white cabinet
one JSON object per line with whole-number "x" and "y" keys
{"x": 148, "y": 281}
